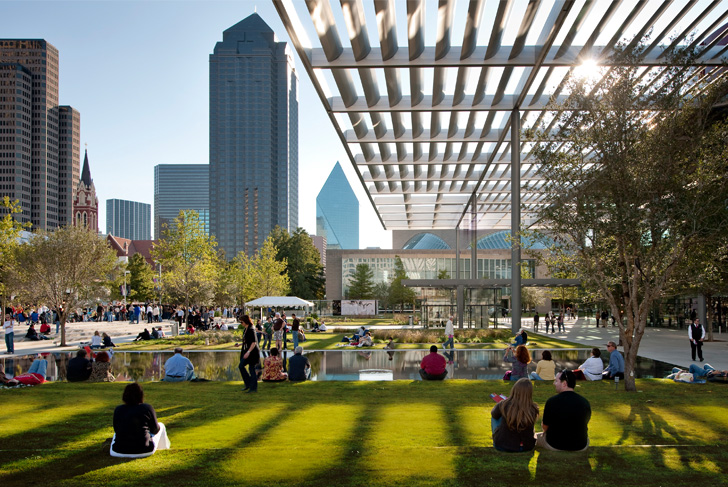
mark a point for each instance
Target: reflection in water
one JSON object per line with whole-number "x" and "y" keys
{"x": 331, "y": 365}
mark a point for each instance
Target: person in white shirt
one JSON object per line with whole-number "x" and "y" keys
{"x": 96, "y": 340}
{"x": 592, "y": 368}
{"x": 449, "y": 334}
{"x": 155, "y": 313}
{"x": 322, "y": 326}
{"x": 224, "y": 327}
{"x": 9, "y": 334}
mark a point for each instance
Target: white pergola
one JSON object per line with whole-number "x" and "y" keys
{"x": 425, "y": 95}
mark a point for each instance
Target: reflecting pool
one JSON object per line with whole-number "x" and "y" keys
{"x": 352, "y": 365}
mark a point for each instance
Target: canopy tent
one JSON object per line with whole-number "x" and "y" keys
{"x": 279, "y": 301}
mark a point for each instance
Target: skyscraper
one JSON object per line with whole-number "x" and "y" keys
{"x": 253, "y": 137}
{"x": 129, "y": 219}
{"x": 337, "y": 212}
{"x": 180, "y": 187}
{"x": 34, "y": 171}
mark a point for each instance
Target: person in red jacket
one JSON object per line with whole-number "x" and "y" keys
{"x": 433, "y": 366}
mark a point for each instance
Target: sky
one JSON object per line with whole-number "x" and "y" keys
{"x": 138, "y": 73}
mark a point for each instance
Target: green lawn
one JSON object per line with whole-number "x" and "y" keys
{"x": 329, "y": 341}
{"x": 359, "y": 433}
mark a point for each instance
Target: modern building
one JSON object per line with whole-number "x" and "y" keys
{"x": 180, "y": 187}
{"x": 85, "y": 202}
{"x": 320, "y": 244}
{"x": 129, "y": 219}
{"x": 39, "y": 140}
{"x": 253, "y": 137}
{"x": 337, "y": 212}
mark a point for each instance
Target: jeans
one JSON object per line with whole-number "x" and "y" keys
{"x": 266, "y": 341}
{"x": 450, "y": 340}
{"x": 9, "y": 343}
{"x": 295, "y": 339}
{"x": 699, "y": 372}
{"x": 58, "y": 326}
{"x": 249, "y": 376}
{"x": 535, "y": 376}
{"x": 189, "y": 375}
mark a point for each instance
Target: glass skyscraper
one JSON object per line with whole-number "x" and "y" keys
{"x": 129, "y": 219}
{"x": 180, "y": 187}
{"x": 253, "y": 137}
{"x": 337, "y": 212}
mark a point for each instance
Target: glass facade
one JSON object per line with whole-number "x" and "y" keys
{"x": 253, "y": 137}
{"x": 426, "y": 241}
{"x": 129, "y": 219}
{"x": 337, "y": 212}
{"x": 428, "y": 268}
{"x": 180, "y": 187}
{"x": 499, "y": 240}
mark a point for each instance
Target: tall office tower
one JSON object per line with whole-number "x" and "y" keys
{"x": 180, "y": 187}
{"x": 253, "y": 137}
{"x": 337, "y": 212}
{"x": 129, "y": 219}
{"x": 69, "y": 161}
{"x": 29, "y": 130}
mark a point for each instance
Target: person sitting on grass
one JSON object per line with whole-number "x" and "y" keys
{"x": 513, "y": 419}
{"x": 178, "y": 368}
{"x": 78, "y": 368}
{"x": 36, "y": 373}
{"x": 521, "y": 338}
{"x": 616, "y": 363}
{"x": 143, "y": 336}
{"x": 33, "y": 335}
{"x": 137, "y": 433}
{"x": 433, "y": 365}
{"x": 101, "y": 369}
{"x": 565, "y": 418}
{"x": 273, "y": 368}
{"x": 322, "y": 326}
{"x": 390, "y": 344}
{"x": 299, "y": 368}
{"x": 591, "y": 369}
{"x": 106, "y": 341}
{"x": 520, "y": 361}
{"x": 96, "y": 341}
{"x": 366, "y": 340}
{"x": 544, "y": 368}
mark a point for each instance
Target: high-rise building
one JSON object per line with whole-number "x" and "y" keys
{"x": 337, "y": 212}
{"x": 85, "y": 202}
{"x": 253, "y": 137}
{"x": 180, "y": 187}
{"x": 129, "y": 219}
{"x": 33, "y": 169}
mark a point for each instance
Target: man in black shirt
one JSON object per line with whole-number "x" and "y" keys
{"x": 565, "y": 417}
{"x": 79, "y": 368}
{"x": 298, "y": 366}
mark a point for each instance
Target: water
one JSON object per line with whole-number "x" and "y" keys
{"x": 334, "y": 364}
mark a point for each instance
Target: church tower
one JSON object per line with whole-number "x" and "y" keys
{"x": 85, "y": 202}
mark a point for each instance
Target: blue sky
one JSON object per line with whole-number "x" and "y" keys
{"x": 138, "y": 74}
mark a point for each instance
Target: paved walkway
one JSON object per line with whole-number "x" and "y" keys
{"x": 665, "y": 344}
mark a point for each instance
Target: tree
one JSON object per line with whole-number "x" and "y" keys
{"x": 10, "y": 229}
{"x": 627, "y": 190}
{"x": 398, "y": 293}
{"x": 265, "y": 274}
{"x": 189, "y": 260}
{"x": 303, "y": 267}
{"x": 381, "y": 293}
{"x": 362, "y": 283}
{"x": 443, "y": 274}
{"x": 226, "y": 284}
{"x": 531, "y": 297}
{"x": 64, "y": 269}
{"x": 140, "y": 279}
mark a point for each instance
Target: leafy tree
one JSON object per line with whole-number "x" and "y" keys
{"x": 189, "y": 260}
{"x": 443, "y": 274}
{"x": 362, "y": 283}
{"x": 225, "y": 286}
{"x": 141, "y": 279}
{"x": 303, "y": 267}
{"x": 628, "y": 190}
{"x": 264, "y": 275}
{"x": 398, "y": 293}
{"x": 10, "y": 229}
{"x": 64, "y": 269}
{"x": 381, "y": 293}
{"x": 531, "y": 297}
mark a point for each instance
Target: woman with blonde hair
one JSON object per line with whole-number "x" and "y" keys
{"x": 520, "y": 361}
{"x": 512, "y": 419}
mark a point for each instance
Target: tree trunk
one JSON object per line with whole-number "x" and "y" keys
{"x": 62, "y": 317}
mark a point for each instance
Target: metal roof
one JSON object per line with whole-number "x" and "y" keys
{"x": 422, "y": 93}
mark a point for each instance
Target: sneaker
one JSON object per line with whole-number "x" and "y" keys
{"x": 701, "y": 359}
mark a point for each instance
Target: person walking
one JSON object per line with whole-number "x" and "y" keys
{"x": 294, "y": 330}
{"x": 250, "y": 356}
{"x": 696, "y": 334}
{"x": 535, "y": 321}
{"x": 449, "y": 334}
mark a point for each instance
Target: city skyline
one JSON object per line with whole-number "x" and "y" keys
{"x": 337, "y": 212}
{"x": 165, "y": 119}
{"x": 129, "y": 219}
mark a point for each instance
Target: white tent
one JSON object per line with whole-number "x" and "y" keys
{"x": 279, "y": 302}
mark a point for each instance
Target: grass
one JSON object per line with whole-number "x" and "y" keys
{"x": 359, "y": 433}
{"x": 329, "y": 341}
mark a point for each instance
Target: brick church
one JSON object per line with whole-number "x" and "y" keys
{"x": 85, "y": 202}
